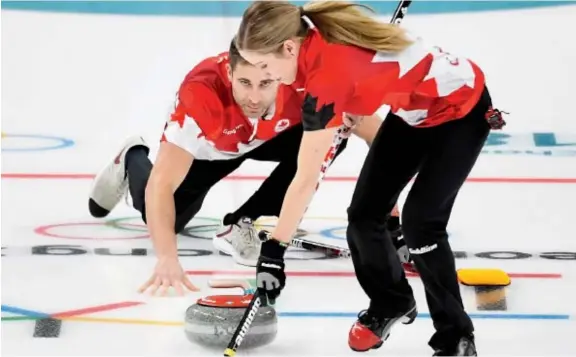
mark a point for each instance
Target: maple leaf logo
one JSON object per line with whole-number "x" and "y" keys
{"x": 314, "y": 118}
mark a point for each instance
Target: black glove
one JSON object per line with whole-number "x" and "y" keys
{"x": 270, "y": 276}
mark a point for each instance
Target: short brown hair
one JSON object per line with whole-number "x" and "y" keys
{"x": 267, "y": 24}
{"x": 234, "y": 56}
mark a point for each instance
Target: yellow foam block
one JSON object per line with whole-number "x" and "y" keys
{"x": 483, "y": 277}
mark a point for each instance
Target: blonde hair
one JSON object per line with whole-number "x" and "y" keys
{"x": 267, "y": 24}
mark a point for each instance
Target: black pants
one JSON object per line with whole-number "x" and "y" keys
{"x": 204, "y": 174}
{"x": 443, "y": 156}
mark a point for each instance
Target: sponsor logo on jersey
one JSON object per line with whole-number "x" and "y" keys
{"x": 281, "y": 125}
{"x": 233, "y": 130}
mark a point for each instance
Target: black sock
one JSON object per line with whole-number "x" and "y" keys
{"x": 233, "y": 218}
{"x": 135, "y": 157}
{"x": 138, "y": 168}
{"x": 393, "y": 223}
{"x": 229, "y": 219}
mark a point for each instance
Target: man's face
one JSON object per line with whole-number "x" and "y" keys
{"x": 253, "y": 89}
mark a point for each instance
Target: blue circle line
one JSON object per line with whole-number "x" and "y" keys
{"x": 62, "y": 143}
{"x": 329, "y": 233}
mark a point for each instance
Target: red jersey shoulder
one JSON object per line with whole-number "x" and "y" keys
{"x": 336, "y": 73}
{"x": 327, "y": 76}
{"x": 335, "y": 61}
{"x": 212, "y": 73}
{"x": 206, "y": 95}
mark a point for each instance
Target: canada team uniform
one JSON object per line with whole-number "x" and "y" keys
{"x": 440, "y": 115}
{"x": 208, "y": 124}
{"x": 423, "y": 85}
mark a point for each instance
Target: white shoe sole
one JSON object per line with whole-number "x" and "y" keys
{"x": 222, "y": 245}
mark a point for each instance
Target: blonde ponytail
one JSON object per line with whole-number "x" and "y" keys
{"x": 344, "y": 23}
{"x": 267, "y": 24}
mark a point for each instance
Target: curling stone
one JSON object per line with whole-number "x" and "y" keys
{"x": 212, "y": 321}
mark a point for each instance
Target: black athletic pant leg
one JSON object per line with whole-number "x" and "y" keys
{"x": 443, "y": 156}
{"x": 188, "y": 198}
{"x": 392, "y": 160}
{"x": 455, "y": 147}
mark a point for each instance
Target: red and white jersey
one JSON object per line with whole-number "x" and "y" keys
{"x": 208, "y": 123}
{"x": 423, "y": 84}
